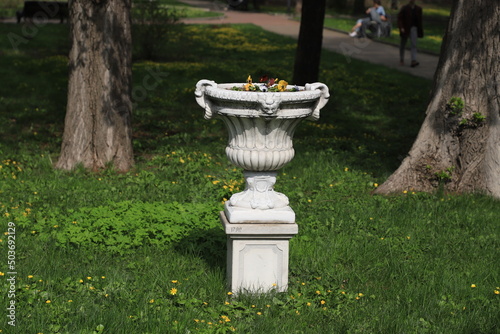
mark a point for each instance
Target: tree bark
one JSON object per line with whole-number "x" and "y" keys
{"x": 308, "y": 55}
{"x": 97, "y": 128}
{"x": 459, "y": 151}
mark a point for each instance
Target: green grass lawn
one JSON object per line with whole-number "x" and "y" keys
{"x": 143, "y": 251}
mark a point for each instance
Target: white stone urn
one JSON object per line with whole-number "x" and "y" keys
{"x": 261, "y": 127}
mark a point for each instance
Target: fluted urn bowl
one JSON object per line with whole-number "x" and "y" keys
{"x": 261, "y": 127}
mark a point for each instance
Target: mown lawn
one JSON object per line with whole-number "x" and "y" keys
{"x": 143, "y": 251}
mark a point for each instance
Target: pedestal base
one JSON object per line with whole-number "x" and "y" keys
{"x": 257, "y": 255}
{"x": 237, "y": 215}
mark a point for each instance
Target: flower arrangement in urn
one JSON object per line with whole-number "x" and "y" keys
{"x": 266, "y": 84}
{"x": 261, "y": 119}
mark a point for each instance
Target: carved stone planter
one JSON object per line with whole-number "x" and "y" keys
{"x": 261, "y": 127}
{"x": 258, "y": 221}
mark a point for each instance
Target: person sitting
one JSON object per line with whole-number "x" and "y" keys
{"x": 375, "y": 13}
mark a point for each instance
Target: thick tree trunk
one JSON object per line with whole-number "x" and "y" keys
{"x": 308, "y": 55}
{"x": 97, "y": 128}
{"x": 460, "y": 151}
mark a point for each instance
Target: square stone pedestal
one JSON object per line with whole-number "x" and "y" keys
{"x": 257, "y": 255}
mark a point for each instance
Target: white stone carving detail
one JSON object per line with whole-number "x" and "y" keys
{"x": 261, "y": 126}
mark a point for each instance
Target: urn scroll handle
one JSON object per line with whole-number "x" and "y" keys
{"x": 323, "y": 100}
{"x": 199, "y": 93}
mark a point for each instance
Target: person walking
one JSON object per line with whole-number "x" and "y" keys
{"x": 410, "y": 26}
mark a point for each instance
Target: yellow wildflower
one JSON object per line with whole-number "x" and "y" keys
{"x": 173, "y": 291}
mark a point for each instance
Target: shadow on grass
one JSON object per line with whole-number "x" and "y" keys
{"x": 208, "y": 245}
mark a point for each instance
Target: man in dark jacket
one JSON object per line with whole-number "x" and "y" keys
{"x": 410, "y": 26}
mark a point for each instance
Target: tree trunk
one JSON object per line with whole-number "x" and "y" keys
{"x": 460, "y": 151}
{"x": 97, "y": 128}
{"x": 307, "y": 58}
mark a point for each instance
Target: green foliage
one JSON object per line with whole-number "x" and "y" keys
{"x": 121, "y": 227}
{"x": 455, "y": 106}
{"x": 478, "y": 118}
{"x": 444, "y": 175}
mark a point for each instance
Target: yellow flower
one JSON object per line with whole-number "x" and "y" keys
{"x": 473, "y": 285}
{"x": 47, "y": 302}
{"x": 322, "y": 302}
{"x": 151, "y": 301}
{"x": 173, "y": 291}
{"x": 229, "y": 293}
{"x": 497, "y": 292}
{"x": 174, "y": 281}
{"x": 249, "y": 79}
{"x": 282, "y": 84}
{"x": 30, "y": 276}
{"x": 70, "y": 301}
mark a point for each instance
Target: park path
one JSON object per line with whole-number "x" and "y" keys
{"x": 339, "y": 42}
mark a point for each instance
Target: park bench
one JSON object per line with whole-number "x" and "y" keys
{"x": 43, "y": 10}
{"x": 377, "y": 28}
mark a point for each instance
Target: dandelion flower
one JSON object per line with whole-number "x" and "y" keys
{"x": 473, "y": 285}
{"x": 173, "y": 291}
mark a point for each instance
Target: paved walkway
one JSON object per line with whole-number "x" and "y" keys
{"x": 339, "y": 42}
